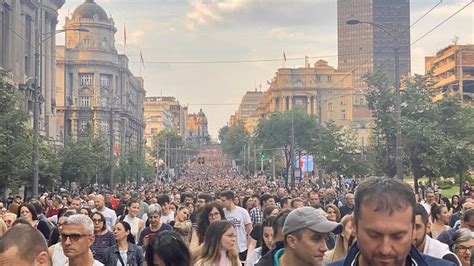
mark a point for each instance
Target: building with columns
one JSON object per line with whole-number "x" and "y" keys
{"x": 320, "y": 90}
{"x": 20, "y": 23}
{"x": 96, "y": 89}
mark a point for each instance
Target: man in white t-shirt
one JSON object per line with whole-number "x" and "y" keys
{"x": 241, "y": 220}
{"x": 109, "y": 214}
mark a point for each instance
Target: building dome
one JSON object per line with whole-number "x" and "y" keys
{"x": 89, "y": 9}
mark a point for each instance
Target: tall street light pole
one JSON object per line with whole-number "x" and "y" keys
{"x": 36, "y": 94}
{"x": 398, "y": 135}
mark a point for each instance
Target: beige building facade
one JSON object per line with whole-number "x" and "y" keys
{"x": 197, "y": 128}
{"x": 96, "y": 89}
{"x": 453, "y": 70}
{"x": 19, "y": 22}
{"x": 161, "y": 113}
{"x": 319, "y": 90}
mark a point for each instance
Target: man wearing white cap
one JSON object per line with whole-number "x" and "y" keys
{"x": 306, "y": 230}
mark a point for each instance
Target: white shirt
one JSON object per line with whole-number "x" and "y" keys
{"x": 168, "y": 218}
{"x": 435, "y": 248}
{"x": 110, "y": 217}
{"x": 240, "y": 218}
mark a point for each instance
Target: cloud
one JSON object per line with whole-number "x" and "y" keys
{"x": 256, "y": 12}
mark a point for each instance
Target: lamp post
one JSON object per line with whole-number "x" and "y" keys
{"x": 36, "y": 94}
{"x": 398, "y": 135}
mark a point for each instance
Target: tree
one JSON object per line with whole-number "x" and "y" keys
{"x": 168, "y": 136}
{"x": 274, "y": 132}
{"x": 223, "y": 132}
{"x": 337, "y": 152}
{"x": 380, "y": 95}
{"x": 234, "y": 141}
{"x": 15, "y": 137}
{"x": 86, "y": 159}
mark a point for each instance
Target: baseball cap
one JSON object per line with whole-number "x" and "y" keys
{"x": 311, "y": 218}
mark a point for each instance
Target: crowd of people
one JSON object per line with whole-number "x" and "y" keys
{"x": 213, "y": 216}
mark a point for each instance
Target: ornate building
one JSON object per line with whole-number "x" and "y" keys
{"x": 161, "y": 113}
{"x": 197, "y": 128}
{"x": 96, "y": 89}
{"x": 19, "y": 22}
{"x": 320, "y": 90}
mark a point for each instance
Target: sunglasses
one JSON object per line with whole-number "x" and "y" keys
{"x": 72, "y": 237}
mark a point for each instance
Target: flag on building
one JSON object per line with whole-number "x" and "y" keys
{"x": 124, "y": 35}
{"x": 141, "y": 59}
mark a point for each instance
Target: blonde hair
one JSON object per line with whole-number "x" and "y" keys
{"x": 3, "y": 227}
{"x": 339, "y": 251}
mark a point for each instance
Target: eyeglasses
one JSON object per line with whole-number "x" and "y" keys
{"x": 464, "y": 249}
{"x": 214, "y": 214}
{"x": 72, "y": 237}
{"x": 97, "y": 220}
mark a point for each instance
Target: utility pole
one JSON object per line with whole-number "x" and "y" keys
{"x": 36, "y": 93}
{"x": 292, "y": 151}
{"x": 398, "y": 112}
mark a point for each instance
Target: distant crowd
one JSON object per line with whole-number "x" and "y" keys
{"x": 213, "y": 216}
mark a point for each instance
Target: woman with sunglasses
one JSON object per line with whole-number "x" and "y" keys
{"x": 219, "y": 246}
{"x": 168, "y": 249}
{"x": 125, "y": 252}
{"x": 103, "y": 237}
{"x": 210, "y": 213}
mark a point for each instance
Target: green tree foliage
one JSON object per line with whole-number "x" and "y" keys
{"x": 223, "y": 132}
{"x": 336, "y": 151}
{"x": 274, "y": 132}
{"x": 235, "y": 140}
{"x": 167, "y": 136}
{"x": 15, "y": 136}
{"x": 86, "y": 159}
{"x": 437, "y": 135}
{"x": 380, "y": 95}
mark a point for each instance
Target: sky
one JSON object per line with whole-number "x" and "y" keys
{"x": 193, "y": 49}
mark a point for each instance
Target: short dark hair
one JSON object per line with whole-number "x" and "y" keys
{"x": 387, "y": 194}
{"x": 162, "y": 199}
{"x": 436, "y": 210}
{"x": 420, "y": 210}
{"x": 185, "y": 195}
{"x": 205, "y": 196}
{"x": 229, "y": 195}
{"x": 265, "y": 197}
{"x": 284, "y": 200}
{"x": 29, "y": 241}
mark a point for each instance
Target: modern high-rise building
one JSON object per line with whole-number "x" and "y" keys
{"x": 364, "y": 47}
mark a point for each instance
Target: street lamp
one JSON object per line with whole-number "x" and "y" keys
{"x": 36, "y": 93}
{"x": 398, "y": 136}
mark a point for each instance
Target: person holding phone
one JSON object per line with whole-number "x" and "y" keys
{"x": 156, "y": 226}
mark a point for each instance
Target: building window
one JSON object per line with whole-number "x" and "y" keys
{"x": 329, "y": 78}
{"x": 104, "y": 80}
{"x": 318, "y": 78}
{"x": 343, "y": 114}
{"x": 361, "y": 101}
{"x": 86, "y": 79}
{"x": 104, "y": 126}
{"x": 84, "y": 125}
{"x": 330, "y": 109}
{"x": 104, "y": 101}
{"x": 84, "y": 101}
{"x": 154, "y": 131}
